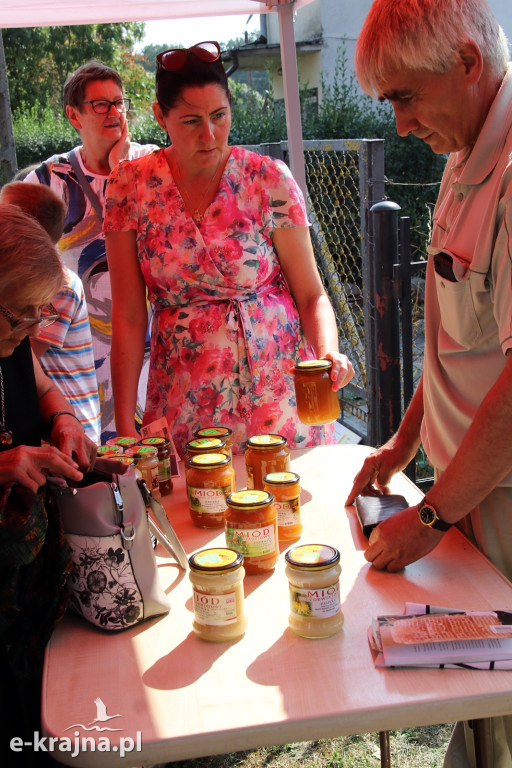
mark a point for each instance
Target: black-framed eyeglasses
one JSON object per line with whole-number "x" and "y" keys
{"x": 103, "y": 106}
{"x": 47, "y": 317}
{"x": 175, "y": 58}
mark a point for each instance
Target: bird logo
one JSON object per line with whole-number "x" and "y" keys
{"x": 101, "y": 717}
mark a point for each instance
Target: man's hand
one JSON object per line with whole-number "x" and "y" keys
{"x": 400, "y": 540}
{"x": 29, "y": 465}
{"x": 121, "y": 148}
{"x": 378, "y": 469}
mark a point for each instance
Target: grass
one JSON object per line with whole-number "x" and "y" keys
{"x": 409, "y": 748}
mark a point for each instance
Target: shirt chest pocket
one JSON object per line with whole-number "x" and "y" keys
{"x": 459, "y": 317}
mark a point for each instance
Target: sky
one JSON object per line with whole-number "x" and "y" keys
{"x": 196, "y": 30}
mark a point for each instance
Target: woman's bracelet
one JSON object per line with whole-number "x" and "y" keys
{"x": 51, "y": 420}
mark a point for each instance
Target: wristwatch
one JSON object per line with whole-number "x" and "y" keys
{"x": 428, "y": 516}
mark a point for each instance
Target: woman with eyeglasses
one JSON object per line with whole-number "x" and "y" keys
{"x": 219, "y": 237}
{"x": 34, "y": 560}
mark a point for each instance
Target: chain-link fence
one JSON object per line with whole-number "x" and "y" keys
{"x": 345, "y": 178}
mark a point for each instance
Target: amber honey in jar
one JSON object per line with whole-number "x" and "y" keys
{"x": 217, "y": 576}
{"x": 146, "y": 461}
{"x": 317, "y": 402}
{"x": 251, "y": 528}
{"x": 285, "y": 488}
{"x": 210, "y": 479}
{"x": 224, "y": 433}
{"x": 265, "y": 454}
{"x": 163, "y": 447}
{"x": 313, "y": 572}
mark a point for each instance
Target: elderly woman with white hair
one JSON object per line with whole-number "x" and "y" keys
{"x": 39, "y": 434}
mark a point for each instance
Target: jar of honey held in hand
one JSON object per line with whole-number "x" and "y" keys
{"x": 163, "y": 447}
{"x": 265, "y": 454}
{"x": 285, "y": 488}
{"x": 210, "y": 479}
{"x": 251, "y": 528}
{"x": 317, "y": 402}
{"x": 217, "y": 576}
{"x": 313, "y": 572}
{"x": 224, "y": 433}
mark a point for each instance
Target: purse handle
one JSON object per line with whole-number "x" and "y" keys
{"x": 161, "y": 528}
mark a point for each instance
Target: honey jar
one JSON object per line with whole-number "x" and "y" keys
{"x": 317, "y": 402}
{"x": 251, "y": 528}
{"x": 163, "y": 447}
{"x": 285, "y": 488}
{"x": 265, "y": 454}
{"x": 224, "y": 433}
{"x": 217, "y": 576}
{"x": 313, "y": 572}
{"x": 210, "y": 479}
{"x": 146, "y": 461}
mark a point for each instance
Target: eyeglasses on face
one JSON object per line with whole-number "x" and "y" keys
{"x": 47, "y": 317}
{"x": 175, "y": 58}
{"x": 103, "y": 106}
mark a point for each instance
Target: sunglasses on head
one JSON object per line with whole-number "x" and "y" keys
{"x": 175, "y": 58}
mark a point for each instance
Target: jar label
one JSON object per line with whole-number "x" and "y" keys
{"x": 214, "y": 609}
{"x": 287, "y": 512}
{"x": 320, "y": 603}
{"x": 164, "y": 470}
{"x": 252, "y": 542}
{"x": 208, "y": 501}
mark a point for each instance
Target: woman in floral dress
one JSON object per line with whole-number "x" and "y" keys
{"x": 219, "y": 236}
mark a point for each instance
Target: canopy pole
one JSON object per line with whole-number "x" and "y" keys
{"x": 291, "y": 94}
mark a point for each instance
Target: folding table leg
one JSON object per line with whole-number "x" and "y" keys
{"x": 480, "y": 740}
{"x": 385, "y": 758}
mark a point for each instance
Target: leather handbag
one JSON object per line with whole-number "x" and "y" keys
{"x": 109, "y": 519}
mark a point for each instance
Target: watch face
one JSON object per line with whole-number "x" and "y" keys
{"x": 427, "y": 515}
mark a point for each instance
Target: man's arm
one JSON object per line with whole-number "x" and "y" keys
{"x": 481, "y": 462}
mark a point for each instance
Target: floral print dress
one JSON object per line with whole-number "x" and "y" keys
{"x": 225, "y": 330}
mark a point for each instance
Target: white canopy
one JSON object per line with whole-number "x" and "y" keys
{"x": 41, "y": 13}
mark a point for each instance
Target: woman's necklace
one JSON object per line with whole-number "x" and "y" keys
{"x": 195, "y": 211}
{"x": 5, "y": 434}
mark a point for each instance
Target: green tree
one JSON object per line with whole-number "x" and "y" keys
{"x": 38, "y": 59}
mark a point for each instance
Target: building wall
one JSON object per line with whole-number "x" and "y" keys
{"x": 336, "y": 20}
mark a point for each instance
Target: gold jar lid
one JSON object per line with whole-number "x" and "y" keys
{"x": 312, "y": 556}
{"x": 141, "y": 451}
{"x": 281, "y": 478}
{"x": 221, "y": 432}
{"x": 204, "y": 444}
{"x": 216, "y": 560}
{"x": 307, "y": 366}
{"x": 249, "y": 499}
{"x": 209, "y": 460}
{"x": 154, "y": 441}
{"x": 124, "y": 442}
{"x": 109, "y": 450}
{"x": 266, "y": 441}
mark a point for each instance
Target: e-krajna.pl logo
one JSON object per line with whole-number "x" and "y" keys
{"x": 81, "y": 743}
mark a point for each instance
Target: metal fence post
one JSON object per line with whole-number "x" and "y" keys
{"x": 372, "y": 190}
{"x": 385, "y": 323}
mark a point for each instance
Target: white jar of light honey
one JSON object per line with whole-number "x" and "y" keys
{"x": 217, "y": 576}
{"x": 313, "y": 572}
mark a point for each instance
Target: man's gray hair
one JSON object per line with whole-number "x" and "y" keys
{"x": 425, "y": 35}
